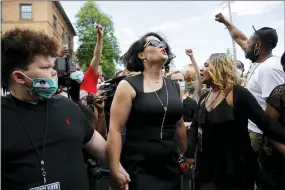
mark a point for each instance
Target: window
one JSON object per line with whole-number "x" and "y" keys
{"x": 63, "y": 35}
{"x": 26, "y": 12}
{"x": 54, "y": 21}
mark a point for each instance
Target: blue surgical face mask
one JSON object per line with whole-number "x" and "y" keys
{"x": 44, "y": 87}
{"x": 77, "y": 76}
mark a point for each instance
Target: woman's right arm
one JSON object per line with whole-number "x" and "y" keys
{"x": 271, "y": 128}
{"x": 120, "y": 110}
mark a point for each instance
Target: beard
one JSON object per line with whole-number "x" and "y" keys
{"x": 251, "y": 56}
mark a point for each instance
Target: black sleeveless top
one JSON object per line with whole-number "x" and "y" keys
{"x": 146, "y": 115}
{"x": 218, "y": 157}
{"x": 144, "y": 150}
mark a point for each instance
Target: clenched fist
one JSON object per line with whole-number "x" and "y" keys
{"x": 99, "y": 29}
{"x": 189, "y": 52}
{"x": 220, "y": 18}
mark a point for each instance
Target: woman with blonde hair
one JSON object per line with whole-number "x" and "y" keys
{"x": 225, "y": 159}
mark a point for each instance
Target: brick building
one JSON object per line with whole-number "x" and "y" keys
{"x": 48, "y": 16}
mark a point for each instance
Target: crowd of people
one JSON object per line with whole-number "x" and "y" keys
{"x": 149, "y": 126}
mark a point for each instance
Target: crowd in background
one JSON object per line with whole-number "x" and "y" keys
{"x": 148, "y": 125}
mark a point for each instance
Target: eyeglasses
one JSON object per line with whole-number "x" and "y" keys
{"x": 155, "y": 43}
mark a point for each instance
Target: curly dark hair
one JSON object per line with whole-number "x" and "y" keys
{"x": 20, "y": 46}
{"x": 131, "y": 60}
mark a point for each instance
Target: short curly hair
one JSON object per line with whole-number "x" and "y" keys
{"x": 20, "y": 46}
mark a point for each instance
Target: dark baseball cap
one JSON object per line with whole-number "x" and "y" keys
{"x": 268, "y": 35}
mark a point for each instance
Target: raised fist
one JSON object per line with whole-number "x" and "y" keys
{"x": 64, "y": 52}
{"x": 189, "y": 52}
{"x": 220, "y": 18}
{"x": 99, "y": 29}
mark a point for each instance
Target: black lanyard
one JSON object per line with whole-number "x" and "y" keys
{"x": 41, "y": 158}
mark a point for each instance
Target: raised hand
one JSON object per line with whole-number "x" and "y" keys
{"x": 99, "y": 30}
{"x": 189, "y": 52}
{"x": 220, "y": 18}
{"x": 64, "y": 52}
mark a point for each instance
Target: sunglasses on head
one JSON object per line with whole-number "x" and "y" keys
{"x": 155, "y": 43}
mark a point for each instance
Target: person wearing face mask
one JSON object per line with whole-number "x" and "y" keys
{"x": 74, "y": 86}
{"x": 266, "y": 74}
{"x": 240, "y": 68}
{"x": 75, "y": 79}
{"x": 189, "y": 104}
{"x": 42, "y": 134}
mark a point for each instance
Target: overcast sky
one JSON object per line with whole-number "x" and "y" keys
{"x": 188, "y": 24}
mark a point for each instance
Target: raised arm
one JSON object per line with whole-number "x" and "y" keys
{"x": 98, "y": 49}
{"x": 238, "y": 36}
{"x": 199, "y": 85}
{"x": 120, "y": 110}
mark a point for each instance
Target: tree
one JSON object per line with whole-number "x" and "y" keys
{"x": 87, "y": 17}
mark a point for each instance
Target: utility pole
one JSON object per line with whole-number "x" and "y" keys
{"x": 231, "y": 20}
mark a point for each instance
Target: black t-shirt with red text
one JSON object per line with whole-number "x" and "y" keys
{"x": 68, "y": 129}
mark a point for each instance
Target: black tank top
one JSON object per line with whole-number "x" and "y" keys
{"x": 144, "y": 151}
{"x": 146, "y": 114}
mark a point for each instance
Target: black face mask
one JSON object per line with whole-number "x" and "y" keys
{"x": 253, "y": 54}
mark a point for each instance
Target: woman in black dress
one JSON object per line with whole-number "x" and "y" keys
{"x": 150, "y": 106}
{"x": 225, "y": 159}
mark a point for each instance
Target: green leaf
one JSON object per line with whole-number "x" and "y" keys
{"x": 86, "y": 19}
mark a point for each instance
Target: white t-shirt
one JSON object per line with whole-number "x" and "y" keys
{"x": 262, "y": 80}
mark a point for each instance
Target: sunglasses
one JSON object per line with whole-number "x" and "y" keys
{"x": 155, "y": 43}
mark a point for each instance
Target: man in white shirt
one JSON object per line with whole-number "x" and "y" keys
{"x": 266, "y": 75}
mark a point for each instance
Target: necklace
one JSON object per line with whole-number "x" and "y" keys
{"x": 212, "y": 101}
{"x": 164, "y": 106}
